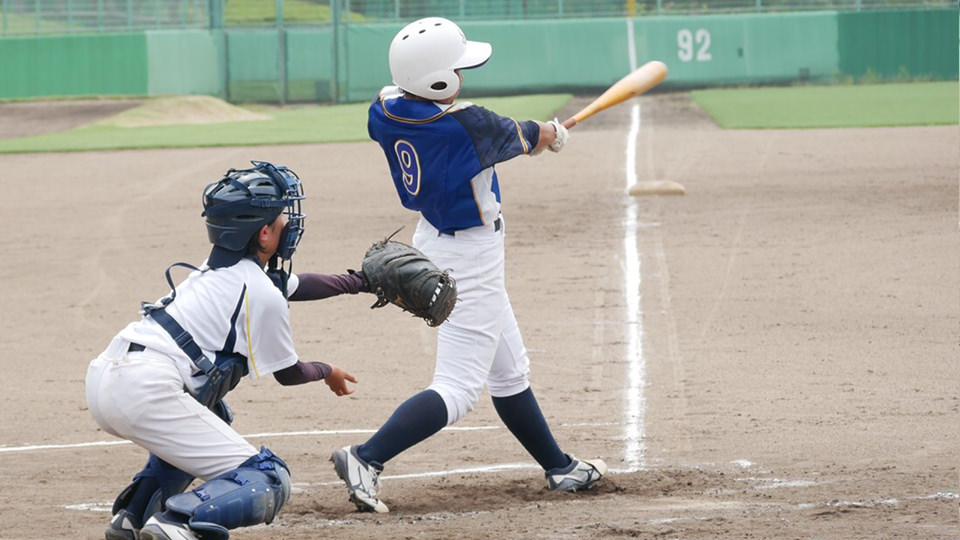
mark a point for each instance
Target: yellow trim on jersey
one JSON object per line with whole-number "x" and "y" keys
{"x": 526, "y": 147}
{"x": 253, "y": 362}
{"x": 411, "y": 120}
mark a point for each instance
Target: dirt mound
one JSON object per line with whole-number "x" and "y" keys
{"x": 29, "y": 118}
{"x": 182, "y": 110}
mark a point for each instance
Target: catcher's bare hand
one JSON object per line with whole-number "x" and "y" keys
{"x": 337, "y": 381}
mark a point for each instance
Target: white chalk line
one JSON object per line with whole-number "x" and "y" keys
{"x": 634, "y": 400}
{"x": 636, "y": 370}
{"x": 306, "y": 433}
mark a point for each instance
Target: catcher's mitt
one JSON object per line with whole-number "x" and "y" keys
{"x": 401, "y": 275}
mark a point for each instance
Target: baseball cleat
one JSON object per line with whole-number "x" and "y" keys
{"x": 160, "y": 527}
{"x": 122, "y": 527}
{"x": 362, "y": 479}
{"x": 581, "y": 474}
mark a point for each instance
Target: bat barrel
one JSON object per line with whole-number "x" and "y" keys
{"x": 637, "y": 82}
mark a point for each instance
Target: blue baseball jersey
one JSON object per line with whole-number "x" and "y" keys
{"x": 442, "y": 157}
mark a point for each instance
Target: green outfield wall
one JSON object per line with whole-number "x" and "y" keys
{"x": 348, "y": 62}
{"x": 107, "y": 64}
{"x": 870, "y": 43}
{"x": 183, "y": 62}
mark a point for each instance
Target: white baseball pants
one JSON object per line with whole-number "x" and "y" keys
{"x": 139, "y": 396}
{"x": 480, "y": 343}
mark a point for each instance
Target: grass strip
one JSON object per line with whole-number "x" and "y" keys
{"x": 900, "y": 104}
{"x": 288, "y": 125}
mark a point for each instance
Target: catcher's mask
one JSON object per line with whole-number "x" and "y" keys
{"x": 243, "y": 201}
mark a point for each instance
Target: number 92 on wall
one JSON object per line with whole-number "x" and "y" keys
{"x": 693, "y": 45}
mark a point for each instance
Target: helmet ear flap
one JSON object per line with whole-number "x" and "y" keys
{"x": 439, "y": 85}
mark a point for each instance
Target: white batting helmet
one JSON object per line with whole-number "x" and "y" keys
{"x": 424, "y": 55}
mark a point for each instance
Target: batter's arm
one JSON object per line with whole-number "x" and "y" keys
{"x": 553, "y": 135}
{"x": 547, "y": 135}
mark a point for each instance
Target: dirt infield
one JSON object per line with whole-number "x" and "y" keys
{"x": 789, "y": 368}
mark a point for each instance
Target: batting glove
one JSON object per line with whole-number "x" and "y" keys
{"x": 562, "y": 135}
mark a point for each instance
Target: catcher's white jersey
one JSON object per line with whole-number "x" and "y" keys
{"x": 139, "y": 394}
{"x": 204, "y": 306}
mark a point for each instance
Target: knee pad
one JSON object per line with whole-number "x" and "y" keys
{"x": 161, "y": 480}
{"x": 251, "y": 494}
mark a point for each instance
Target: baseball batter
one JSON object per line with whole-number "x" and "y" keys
{"x": 161, "y": 381}
{"x": 442, "y": 157}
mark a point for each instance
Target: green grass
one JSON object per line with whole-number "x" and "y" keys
{"x": 15, "y": 24}
{"x": 794, "y": 107}
{"x": 294, "y": 11}
{"x": 906, "y": 104}
{"x": 291, "y": 125}
{"x": 251, "y": 13}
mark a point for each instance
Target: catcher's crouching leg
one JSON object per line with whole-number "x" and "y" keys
{"x": 151, "y": 487}
{"x": 144, "y": 497}
{"x": 251, "y": 494}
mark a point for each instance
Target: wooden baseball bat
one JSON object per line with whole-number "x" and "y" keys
{"x": 639, "y": 81}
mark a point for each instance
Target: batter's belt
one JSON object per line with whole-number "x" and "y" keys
{"x": 497, "y": 225}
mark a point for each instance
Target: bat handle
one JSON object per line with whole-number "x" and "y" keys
{"x": 570, "y": 122}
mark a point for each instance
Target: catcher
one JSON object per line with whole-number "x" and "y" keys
{"x": 161, "y": 381}
{"x": 441, "y": 157}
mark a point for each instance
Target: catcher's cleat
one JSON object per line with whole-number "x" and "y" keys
{"x": 362, "y": 479}
{"x": 160, "y": 527}
{"x": 122, "y": 527}
{"x": 581, "y": 474}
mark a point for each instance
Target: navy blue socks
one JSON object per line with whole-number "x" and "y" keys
{"x": 425, "y": 414}
{"x": 522, "y": 416}
{"x": 415, "y": 420}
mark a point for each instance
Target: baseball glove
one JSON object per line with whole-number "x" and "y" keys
{"x": 401, "y": 275}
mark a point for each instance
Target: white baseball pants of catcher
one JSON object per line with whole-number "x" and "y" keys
{"x": 139, "y": 396}
{"x": 480, "y": 343}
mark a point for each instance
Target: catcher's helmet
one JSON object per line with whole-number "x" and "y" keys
{"x": 424, "y": 55}
{"x": 243, "y": 201}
